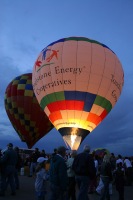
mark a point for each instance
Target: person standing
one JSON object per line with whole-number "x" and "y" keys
{"x": 58, "y": 175}
{"x": 113, "y": 161}
{"x": 119, "y": 159}
{"x": 93, "y": 182}
{"x": 106, "y": 177}
{"x": 18, "y": 167}
{"x": 119, "y": 180}
{"x": 43, "y": 153}
{"x": 85, "y": 171}
{"x": 128, "y": 171}
{"x": 8, "y": 163}
{"x": 33, "y": 161}
{"x": 71, "y": 176}
{"x": 55, "y": 152}
{"x": 41, "y": 177}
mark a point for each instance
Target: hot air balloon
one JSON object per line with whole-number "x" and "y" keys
{"x": 101, "y": 152}
{"x": 24, "y": 112}
{"x": 77, "y": 81}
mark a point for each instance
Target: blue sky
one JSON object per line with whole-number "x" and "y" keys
{"x": 27, "y": 26}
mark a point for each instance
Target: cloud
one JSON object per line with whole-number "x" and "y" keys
{"x": 8, "y": 72}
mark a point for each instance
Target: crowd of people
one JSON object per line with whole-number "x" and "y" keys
{"x": 71, "y": 175}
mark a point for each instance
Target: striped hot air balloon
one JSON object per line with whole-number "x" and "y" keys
{"x": 24, "y": 112}
{"x": 77, "y": 81}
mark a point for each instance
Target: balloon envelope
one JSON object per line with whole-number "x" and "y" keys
{"x": 77, "y": 81}
{"x": 24, "y": 112}
{"x": 101, "y": 152}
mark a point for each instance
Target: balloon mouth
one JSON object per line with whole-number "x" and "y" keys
{"x": 73, "y": 136}
{"x": 73, "y": 141}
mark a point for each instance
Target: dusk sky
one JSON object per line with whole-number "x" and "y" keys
{"x": 27, "y": 26}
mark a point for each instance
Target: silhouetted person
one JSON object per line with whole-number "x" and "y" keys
{"x": 119, "y": 180}
{"x": 58, "y": 175}
{"x": 85, "y": 171}
{"x": 106, "y": 177}
{"x": 18, "y": 167}
{"x": 33, "y": 161}
{"x": 71, "y": 176}
{"x": 8, "y": 163}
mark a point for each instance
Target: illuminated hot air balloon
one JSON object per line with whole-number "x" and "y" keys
{"x": 77, "y": 81}
{"x": 24, "y": 112}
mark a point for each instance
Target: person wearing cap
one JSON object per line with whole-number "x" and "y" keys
{"x": 41, "y": 177}
{"x": 84, "y": 168}
{"x": 58, "y": 175}
{"x": 8, "y": 162}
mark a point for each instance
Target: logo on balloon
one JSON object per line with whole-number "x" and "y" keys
{"x": 46, "y": 58}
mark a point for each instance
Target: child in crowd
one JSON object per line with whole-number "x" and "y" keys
{"x": 41, "y": 177}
